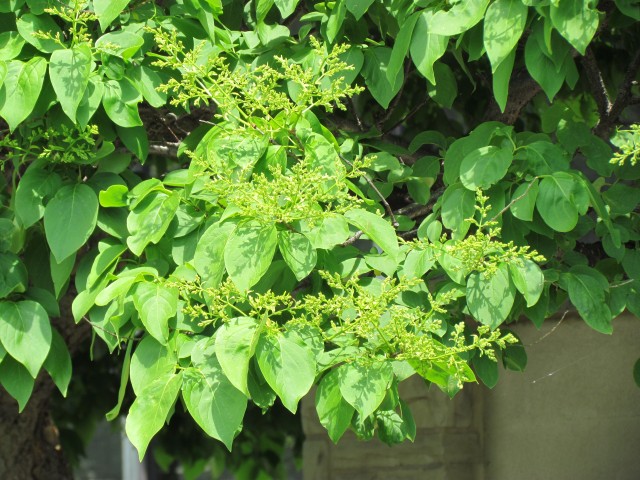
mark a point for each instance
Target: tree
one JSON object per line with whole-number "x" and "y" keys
{"x": 239, "y": 200}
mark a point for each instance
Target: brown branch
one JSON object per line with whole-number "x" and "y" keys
{"x": 599, "y": 89}
{"x": 623, "y": 98}
{"x": 168, "y": 149}
{"x": 522, "y": 89}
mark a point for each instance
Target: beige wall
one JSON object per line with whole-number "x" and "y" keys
{"x": 573, "y": 414}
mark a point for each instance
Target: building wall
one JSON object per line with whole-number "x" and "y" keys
{"x": 573, "y": 414}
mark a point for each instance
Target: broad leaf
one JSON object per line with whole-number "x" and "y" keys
{"x": 208, "y": 259}
{"x": 236, "y": 343}
{"x": 150, "y": 410}
{"x": 288, "y": 366}
{"x": 334, "y": 412}
{"x": 108, "y": 10}
{"x": 69, "y": 219}
{"x": 528, "y": 279}
{"x": 156, "y": 304}
{"x": 483, "y": 167}
{"x": 149, "y": 361}
{"x": 460, "y": 18}
{"x": 377, "y": 229}
{"x": 149, "y": 220}
{"x": 587, "y": 289}
{"x": 69, "y": 71}
{"x": 213, "y": 402}
{"x": 58, "y": 363}
{"x": 576, "y": 21}
{"x": 426, "y": 47}
{"x": 21, "y": 89}
{"x": 504, "y": 23}
{"x": 490, "y": 296}
{"x": 249, "y": 252}
{"x": 16, "y": 380}
{"x": 25, "y": 333}
{"x": 556, "y": 201}
{"x": 297, "y": 252}
{"x": 364, "y": 387}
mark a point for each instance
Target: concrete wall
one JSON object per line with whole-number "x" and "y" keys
{"x": 574, "y": 414}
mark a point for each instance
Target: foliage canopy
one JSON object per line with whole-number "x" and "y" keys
{"x": 245, "y": 199}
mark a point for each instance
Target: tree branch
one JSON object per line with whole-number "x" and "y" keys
{"x": 599, "y": 89}
{"x": 622, "y": 100}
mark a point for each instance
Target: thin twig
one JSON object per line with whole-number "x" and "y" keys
{"x": 387, "y": 207}
{"x": 513, "y": 201}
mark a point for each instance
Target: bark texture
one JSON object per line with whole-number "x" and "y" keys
{"x": 29, "y": 441}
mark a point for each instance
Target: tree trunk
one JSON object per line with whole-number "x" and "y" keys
{"x": 29, "y": 441}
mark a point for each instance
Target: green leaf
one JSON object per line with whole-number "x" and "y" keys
{"x": 209, "y": 255}
{"x": 235, "y": 345}
{"x": 483, "y": 167}
{"x": 16, "y": 380}
{"x": 21, "y": 89}
{"x": 147, "y": 81}
{"x": 636, "y": 372}
{"x": 149, "y": 361}
{"x": 35, "y": 185}
{"x": 136, "y": 141}
{"x": 458, "y": 204}
{"x": 297, "y": 252}
{"x": 331, "y": 231}
{"x": 288, "y": 366}
{"x": 249, "y": 252}
{"x": 576, "y": 21}
{"x": 108, "y": 10}
{"x": 377, "y": 229}
{"x": 286, "y": 7}
{"x": 544, "y": 157}
{"x": 490, "y": 296}
{"x": 334, "y": 412}
{"x": 541, "y": 68}
{"x": 29, "y": 25}
{"x": 25, "y": 332}
{"x": 460, "y": 18}
{"x": 504, "y": 23}
{"x": 150, "y": 410}
{"x": 90, "y": 101}
{"x": 418, "y": 262}
{"x": 120, "y": 101}
{"x": 556, "y": 201}
{"x": 401, "y": 47}
{"x": 358, "y": 7}
{"x": 630, "y": 8}
{"x": 11, "y": 44}
{"x": 586, "y": 287}
{"x": 58, "y": 363}
{"x": 528, "y": 279}
{"x": 486, "y": 369}
{"x": 156, "y": 304}
{"x": 13, "y": 274}
{"x": 374, "y": 72}
{"x": 426, "y": 47}
{"x": 60, "y": 272}
{"x": 69, "y": 71}
{"x": 364, "y": 387}
{"x": 501, "y": 79}
{"x": 335, "y": 20}
{"x": 524, "y": 198}
{"x": 124, "y": 381}
{"x": 212, "y": 400}
{"x": 121, "y": 43}
{"x": 69, "y": 219}
{"x": 149, "y": 220}
{"x": 445, "y": 89}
